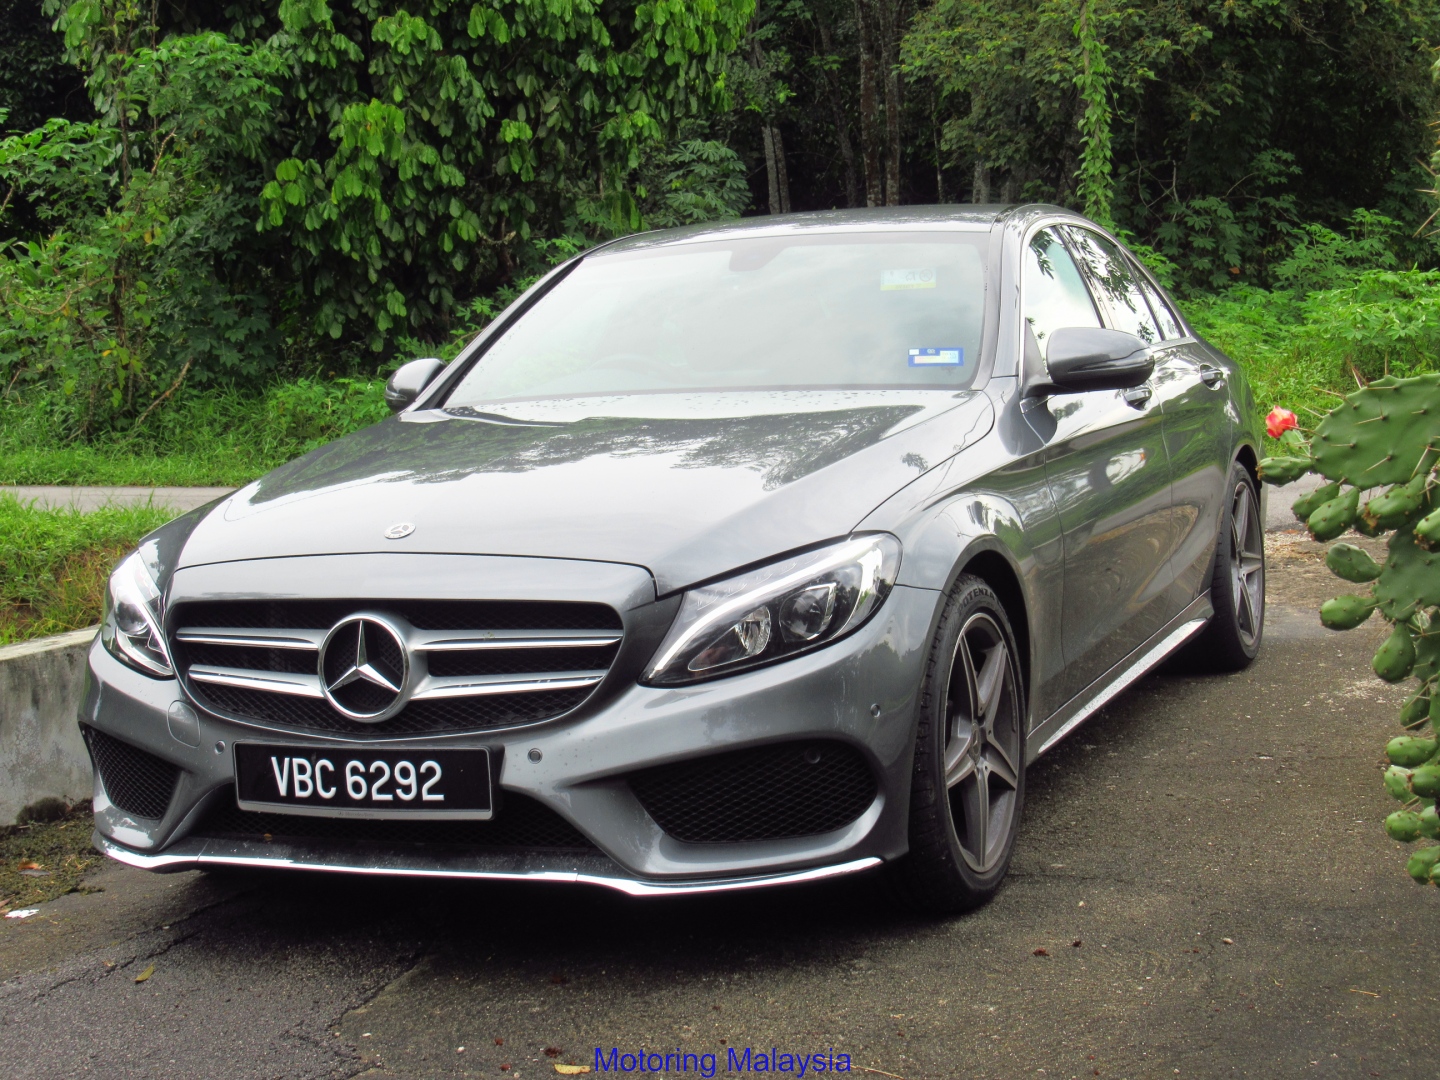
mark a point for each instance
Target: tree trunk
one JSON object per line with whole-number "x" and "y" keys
{"x": 869, "y": 136}
{"x": 781, "y": 174}
{"x": 842, "y": 127}
{"x": 980, "y": 191}
{"x": 772, "y": 170}
{"x": 890, "y": 58}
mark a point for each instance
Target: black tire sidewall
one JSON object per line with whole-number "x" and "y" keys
{"x": 1226, "y": 646}
{"x": 939, "y": 878}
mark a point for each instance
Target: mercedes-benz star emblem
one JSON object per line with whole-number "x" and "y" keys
{"x": 399, "y": 531}
{"x": 365, "y": 668}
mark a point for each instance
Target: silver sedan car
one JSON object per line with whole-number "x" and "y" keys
{"x": 727, "y": 557}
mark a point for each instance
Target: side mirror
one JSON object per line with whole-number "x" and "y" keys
{"x": 1082, "y": 358}
{"x": 410, "y": 380}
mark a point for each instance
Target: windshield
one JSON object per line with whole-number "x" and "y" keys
{"x": 842, "y": 310}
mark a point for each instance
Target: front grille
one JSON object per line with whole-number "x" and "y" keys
{"x": 137, "y": 782}
{"x": 520, "y": 823}
{"x": 767, "y": 793}
{"x": 477, "y": 665}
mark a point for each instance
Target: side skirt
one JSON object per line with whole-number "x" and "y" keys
{"x": 1104, "y": 689}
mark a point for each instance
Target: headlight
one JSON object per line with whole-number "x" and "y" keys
{"x": 778, "y": 611}
{"x": 130, "y": 630}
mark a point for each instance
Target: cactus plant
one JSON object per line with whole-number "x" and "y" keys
{"x": 1384, "y": 439}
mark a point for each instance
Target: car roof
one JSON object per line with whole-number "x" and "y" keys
{"x": 958, "y": 217}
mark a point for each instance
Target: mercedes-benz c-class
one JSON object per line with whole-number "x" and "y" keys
{"x": 727, "y": 556}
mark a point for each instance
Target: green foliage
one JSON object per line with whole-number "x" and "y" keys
{"x": 134, "y": 285}
{"x": 1214, "y": 162}
{"x": 1095, "y": 174}
{"x": 1385, "y": 435}
{"x": 53, "y": 563}
{"x": 427, "y": 145}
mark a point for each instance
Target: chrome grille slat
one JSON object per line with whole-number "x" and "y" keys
{"x": 424, "y": 641}
{"x": 252, "y": 638}
{"x": 450, "y": 686}
{"x": 274, "y": 682}
{"x": 474, "y": 665}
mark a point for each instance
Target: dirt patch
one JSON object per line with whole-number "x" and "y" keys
{"x": 45, "y": 860}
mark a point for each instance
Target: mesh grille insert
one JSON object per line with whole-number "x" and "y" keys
{"x": 418, "y": 718}
{"x": 767, "y": 793}
{"x": 137, "y": 782}
{"x": 519, "y": 823}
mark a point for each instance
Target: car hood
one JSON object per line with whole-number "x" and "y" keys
{"x": 688, "y": 486}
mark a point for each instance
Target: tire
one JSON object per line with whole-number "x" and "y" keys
{"x": 1231, "y": 640}
{"x": 972, "y": 716}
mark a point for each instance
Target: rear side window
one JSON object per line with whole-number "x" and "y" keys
{"x": 1053, "y": 294}
{"x": 1115, "y": 285}
{"x": 1169, "y": 325}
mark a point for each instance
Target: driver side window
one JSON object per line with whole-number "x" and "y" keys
{"x": 1052, "y": 292}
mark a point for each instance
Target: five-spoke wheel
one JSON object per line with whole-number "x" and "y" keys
{"x": 984, "y": 746}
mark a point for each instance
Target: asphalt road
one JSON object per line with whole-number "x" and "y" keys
{"x": 1202, "y": 864}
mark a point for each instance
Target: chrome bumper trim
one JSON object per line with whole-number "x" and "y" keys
{"x": 630, "y": 886}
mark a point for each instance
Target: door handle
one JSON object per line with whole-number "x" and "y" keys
{"x": 1212, "y": 376}
{"x": 1137, "y": 396}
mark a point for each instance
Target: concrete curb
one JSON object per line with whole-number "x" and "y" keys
{"x": 41, "y": 751}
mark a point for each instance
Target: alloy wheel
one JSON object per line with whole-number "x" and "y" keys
{"x": 1247, "y": 563}
{"x": 984, "y": 744}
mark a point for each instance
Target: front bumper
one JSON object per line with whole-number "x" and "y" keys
{"x": 860, "y": 691}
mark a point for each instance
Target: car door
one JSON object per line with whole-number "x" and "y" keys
{"x": 1107, "y": 470}
{"x": 1193, "y": 397}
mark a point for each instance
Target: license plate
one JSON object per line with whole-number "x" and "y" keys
{"x": 339, "y": 782}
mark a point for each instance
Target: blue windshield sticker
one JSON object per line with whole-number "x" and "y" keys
{"x": 937, "y": 357}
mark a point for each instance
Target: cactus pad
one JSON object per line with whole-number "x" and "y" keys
{"x": 1410, "y": 578}
{"x": 1381, "y": 433}
{"x": 1351, "y": 563}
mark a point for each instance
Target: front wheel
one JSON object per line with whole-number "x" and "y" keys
{"x": 969, "y": 773}
{"x": 1237, "y": 583}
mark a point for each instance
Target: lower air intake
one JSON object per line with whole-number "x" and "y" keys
{"x": 767, "y": 793}
{"x": 137, "y": 782}
{"x": 519, "y": 824}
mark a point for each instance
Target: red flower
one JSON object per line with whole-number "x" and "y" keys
{"x": 1280, "y": 421}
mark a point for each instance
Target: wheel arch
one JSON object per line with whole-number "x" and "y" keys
{"x": 1245, "y": 454}
{"x": 992, "y": 566}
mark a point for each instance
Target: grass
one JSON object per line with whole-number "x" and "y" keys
{"x": 1302, "y": 350}
{"x": 57, "y": 854}
{"x": 205, "y": 438}
{"x": 54, "y": 563}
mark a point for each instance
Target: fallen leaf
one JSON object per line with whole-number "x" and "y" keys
{"x": 553, "y": 1051}
{"x": 1226, "y": 941}
{"x": 1041, "y": 952}
{"x": 1076, "y": 943}
{"x": 505, "y": 1067}
{"x": 499, "y": 1042}
{"x": 1367, "y": 993}
{"x": 571, "y": 1070}
{"x": 145, "y": 974}
{"x": 28, "y": 866}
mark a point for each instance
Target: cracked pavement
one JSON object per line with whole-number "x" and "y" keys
{"x": 1202, "y": 865}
